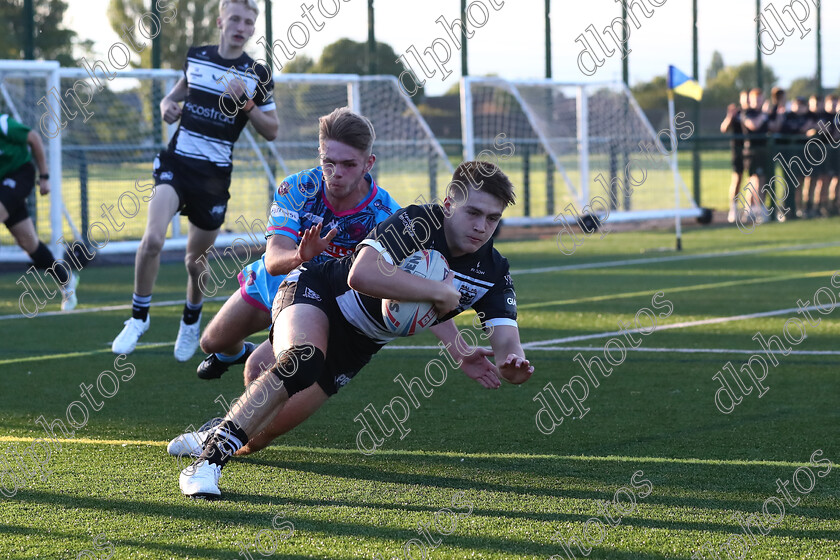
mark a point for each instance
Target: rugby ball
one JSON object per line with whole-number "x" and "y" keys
{"x": 405, "y": 318}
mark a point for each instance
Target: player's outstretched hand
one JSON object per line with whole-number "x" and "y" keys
{"x": 312, "y": 244}
{"x": 477, "y": 366}
{"x": 170, "y": 110}
{"x": 516, "y": 369}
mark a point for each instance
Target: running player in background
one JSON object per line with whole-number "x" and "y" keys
{"x": 732, "y": 124}
{"x": 193, "y": 175}
{"x": 19, "y": 145}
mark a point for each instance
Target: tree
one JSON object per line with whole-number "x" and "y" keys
{"x": 301, "y": 64}
{"x": 194, "y": 25}
{"x": 653, "y": 94}
{"x": 802, "y": 87}
{"x": 346, "y": 56}
{"x": 52, "y": 40}
{"x": 714, "y": 67}
{"x": 731, "y": 80}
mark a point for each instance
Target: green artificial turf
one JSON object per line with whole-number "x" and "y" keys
{"x": 473, "y": 461}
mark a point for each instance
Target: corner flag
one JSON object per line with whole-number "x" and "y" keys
{"x": 681, "y": 84}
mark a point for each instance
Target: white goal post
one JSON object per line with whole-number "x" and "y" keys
{"x": 593, "y": 138}
{"x": 101, "y": 161}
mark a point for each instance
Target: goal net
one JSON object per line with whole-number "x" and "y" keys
{"x": 101, "y": 161}
{"x": 572, "y": 148}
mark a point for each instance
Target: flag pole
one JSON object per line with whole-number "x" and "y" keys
{"x": 675, "y": 170}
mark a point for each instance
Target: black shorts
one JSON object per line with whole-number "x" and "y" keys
{"x": 737, "y": 163}
{"x": 758, "y": 162}
{"x": 348, "y": 350}
{"x": 202, "y": 198}
{"x": 14, "y": 190}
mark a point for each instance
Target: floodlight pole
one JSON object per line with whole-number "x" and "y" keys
{"x": 625, "y": 38}
{"x": 464, "y": 71}
{"x": 548, "y": 39}
{"x": 759, "y": 70}
{"x": 269, "y": 37}
{"x": 819, "y": 50}
{"x": 371, "y": 65}
{"x": 695, "y": 146}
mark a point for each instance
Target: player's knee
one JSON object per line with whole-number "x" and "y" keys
{"x": 254, "y": 368}
{"x": 151, "y": 244}
{"x": 194, "y": 264}
{"x": 208, "y": 342}
{"x": 299, "y": 367}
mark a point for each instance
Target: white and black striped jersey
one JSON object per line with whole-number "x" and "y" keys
{"x": 205, "y": 136}
{"x": 483, "y": 277}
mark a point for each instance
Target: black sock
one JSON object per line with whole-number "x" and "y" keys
{"x": 140, "y": 306}
{"x": 44, "y": 260}
{"x": 192, "y": 311}
{"x": 228, "y": 439}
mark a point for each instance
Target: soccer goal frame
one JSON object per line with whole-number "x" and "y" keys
{"x": 411, "y": 163}
{"x": 556, "y": 121}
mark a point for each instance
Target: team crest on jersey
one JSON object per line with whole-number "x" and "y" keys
{"x": 283, "y": 189}
{"x": 468, "y": 293}
{"x": 380, "y": 206}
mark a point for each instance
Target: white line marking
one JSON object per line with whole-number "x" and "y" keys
{"x": 104, "y": 308}
{"x": 626, "y": 262}
{"x": 683, "y": 324}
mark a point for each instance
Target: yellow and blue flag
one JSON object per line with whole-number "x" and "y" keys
{"x": 683, "y": 85}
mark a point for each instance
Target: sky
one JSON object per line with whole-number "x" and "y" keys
{"x": 512, "y": 41}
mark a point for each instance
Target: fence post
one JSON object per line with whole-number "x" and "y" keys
{"x": 526, "y": 177}
{"x": 613, "y": 175}
{"x": 432, "y": 173}
{"x": 83, "y": 189}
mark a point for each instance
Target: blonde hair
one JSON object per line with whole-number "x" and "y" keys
{"x": 250, "y": 4}
{"x": 347, "y": 127}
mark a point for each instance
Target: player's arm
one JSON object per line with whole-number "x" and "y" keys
{"x": 510, "y": 357}
{"x": 472, "y": 360}
{"x": 731, "y": 111}
{"x": 170, "y": 109}
{"x": 754, "y": 123}
{"x": 265, "y": 122}
{"x": 373, "y": 275}
{"x": 282, "y": 254}
{"x": 40, "y": 157}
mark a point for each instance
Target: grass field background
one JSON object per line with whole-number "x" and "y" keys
{"x": 474, "y": 451}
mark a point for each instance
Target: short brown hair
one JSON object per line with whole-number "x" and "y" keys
{"x": 348, "y": 127}
{"x": 486, "y": 177}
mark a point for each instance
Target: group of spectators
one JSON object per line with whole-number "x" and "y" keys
{"x": 767, "y": 133}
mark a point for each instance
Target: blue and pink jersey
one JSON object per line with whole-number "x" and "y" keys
{"x": 299, "y": 204}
